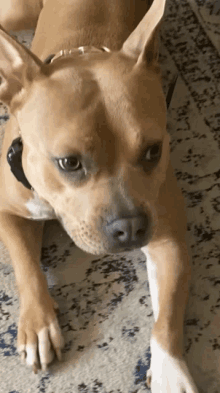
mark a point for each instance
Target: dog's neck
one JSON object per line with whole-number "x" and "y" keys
{"x": 96, "y": 23}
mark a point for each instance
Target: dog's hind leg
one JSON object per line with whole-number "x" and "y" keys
{"x": 19, "y": 14}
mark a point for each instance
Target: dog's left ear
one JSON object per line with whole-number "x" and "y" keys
{"x": 142, "y": 44}
{"x": 18, "y": 66}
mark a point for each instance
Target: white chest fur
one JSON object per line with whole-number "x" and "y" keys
{"x": 39, "y": 209}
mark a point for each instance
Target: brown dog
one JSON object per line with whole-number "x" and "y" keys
{"x": 92, "y": 125}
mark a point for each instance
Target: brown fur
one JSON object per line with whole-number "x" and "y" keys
{"x": 107, "y": 107}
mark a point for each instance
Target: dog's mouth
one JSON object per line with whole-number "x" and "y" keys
{"x": 96, "y": 243}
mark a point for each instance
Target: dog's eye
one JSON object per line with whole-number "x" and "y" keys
{"x": 69, "y": 164}
{"x": 153, "y": 153}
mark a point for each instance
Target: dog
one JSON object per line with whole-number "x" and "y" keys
{"x": 86, "y": 143}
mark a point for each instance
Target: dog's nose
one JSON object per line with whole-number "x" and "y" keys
{"x": 132, "y": 232}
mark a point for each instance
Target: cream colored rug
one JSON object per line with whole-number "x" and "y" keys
{"x": 106, "y": 315}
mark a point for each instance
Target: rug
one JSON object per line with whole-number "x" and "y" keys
{"x": 105, "y": 306}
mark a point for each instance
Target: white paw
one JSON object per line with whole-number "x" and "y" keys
{"x": 39, "y": 334}
{"x": 168, "y": 374}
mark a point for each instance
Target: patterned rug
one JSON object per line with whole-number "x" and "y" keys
{"x": 106, "y": 314}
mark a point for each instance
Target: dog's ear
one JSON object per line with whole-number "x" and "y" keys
{"x": 142, "y": 44}
{"x": 18, "y": 66}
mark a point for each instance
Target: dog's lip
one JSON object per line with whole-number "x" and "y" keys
{"x": 126, "y": 249}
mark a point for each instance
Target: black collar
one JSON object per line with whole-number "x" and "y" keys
{"x": 14, "y": 155}
{"x": 14, "y": 158}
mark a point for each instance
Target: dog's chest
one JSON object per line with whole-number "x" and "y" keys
{"x": 39, "y": 209}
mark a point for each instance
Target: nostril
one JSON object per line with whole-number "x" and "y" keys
{"x": 118, "y": 234}
{"x": 141, "y": 232}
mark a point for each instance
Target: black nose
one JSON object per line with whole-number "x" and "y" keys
{"x": 132, "y": 232}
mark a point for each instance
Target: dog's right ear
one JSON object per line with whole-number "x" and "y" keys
{"x": 142, "y": 44}
{"x": 18, "y": 67}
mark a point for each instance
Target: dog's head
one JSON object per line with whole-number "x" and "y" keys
{"x": 94, "y": 134}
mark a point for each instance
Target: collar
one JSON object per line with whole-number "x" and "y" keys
{"x": 14, "y": 154}
{"x": 14, "y": 158}
{"x": 76, "y": 51}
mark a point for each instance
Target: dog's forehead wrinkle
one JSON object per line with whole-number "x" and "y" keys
{"x": 132, "y": 94}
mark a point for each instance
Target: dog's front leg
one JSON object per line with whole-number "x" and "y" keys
{"x": 169, "y": 273}
{"x": 38, "y": 329}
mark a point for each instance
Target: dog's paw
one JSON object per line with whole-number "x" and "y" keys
{"x": 168, "y": 374}
{"x": 39, "y": 334}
